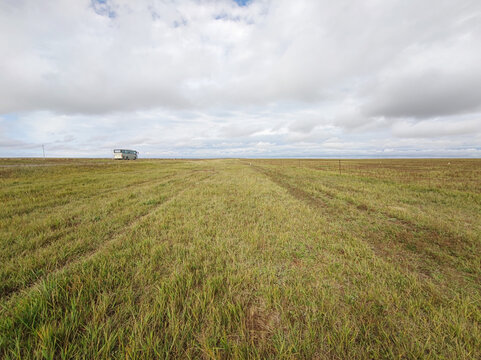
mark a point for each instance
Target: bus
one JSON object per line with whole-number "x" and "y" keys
{"x": 124, "y": 154}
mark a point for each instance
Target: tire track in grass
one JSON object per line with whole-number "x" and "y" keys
{"x": 443, "y": 238}
{"x": 415, "y": 252}
{"x": 83, "y": 201}
{"x": 7, "y": 296}
{"x": 104, "y": 177}
{"x": 432, "y": 233}
{"x": 57, "y": 208}
{"x": 339, "y": 189}
{"x": 131, "y": 225}
{"x": 64, "y": 201}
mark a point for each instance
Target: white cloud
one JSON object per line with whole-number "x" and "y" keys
{"x": 436, "y": 128}
{"x": 209, "y": 78}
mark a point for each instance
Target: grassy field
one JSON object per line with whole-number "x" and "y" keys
{"x": 280, "y": 259}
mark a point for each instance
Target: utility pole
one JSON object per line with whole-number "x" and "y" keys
{"x": 43, "y": 149}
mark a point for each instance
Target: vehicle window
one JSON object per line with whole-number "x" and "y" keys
{"x": 133, "y": 152}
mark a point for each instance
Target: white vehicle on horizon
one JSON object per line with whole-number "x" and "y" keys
{"x": 125, "y": 154}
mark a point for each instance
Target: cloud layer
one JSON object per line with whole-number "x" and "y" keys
{"x": 225, "y": 78}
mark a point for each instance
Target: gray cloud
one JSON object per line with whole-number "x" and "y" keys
{"x": 12, "y": 143}
{"x": 277, "y": 77}
{"x": 305, "y": 126}
{"x": 436, "y": 128}
{"x": 427, "y": 95}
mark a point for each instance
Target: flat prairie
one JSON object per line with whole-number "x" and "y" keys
{"x": 239, "y": 258}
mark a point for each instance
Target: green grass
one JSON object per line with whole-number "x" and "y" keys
{"x": 280, "y": 259}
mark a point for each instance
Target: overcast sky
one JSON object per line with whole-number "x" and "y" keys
{"x": 200, "y": 78}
